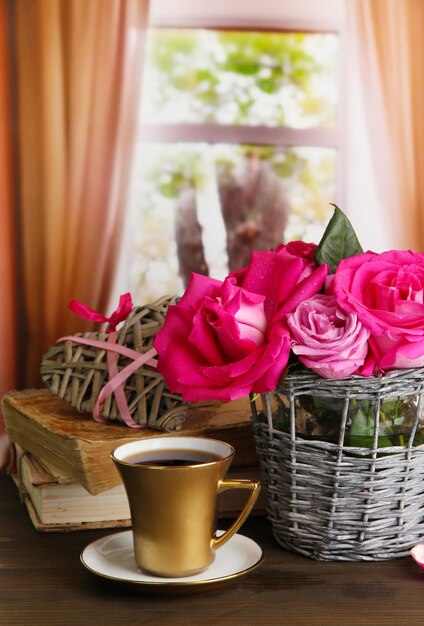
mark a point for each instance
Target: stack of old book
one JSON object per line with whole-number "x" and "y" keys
{"x": 63, "y": 468}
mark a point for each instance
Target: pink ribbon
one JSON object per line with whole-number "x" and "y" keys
{"x": 116, "y": 377}
{"x": 120, "y": 315}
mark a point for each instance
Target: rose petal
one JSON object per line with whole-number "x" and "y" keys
{"x": 204, "y": 338}
{"x": 417, "y": 553}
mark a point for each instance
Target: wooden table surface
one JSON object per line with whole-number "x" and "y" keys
{"x": 43, "y": 583}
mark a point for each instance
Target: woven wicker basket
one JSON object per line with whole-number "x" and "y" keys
{"x": 78, "y": 372}
{"x": 327, "y": 499}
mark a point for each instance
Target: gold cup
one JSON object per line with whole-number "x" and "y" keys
{"x": 173, "y": 507}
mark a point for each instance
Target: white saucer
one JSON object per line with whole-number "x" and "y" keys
{"x": 112, "y": 557}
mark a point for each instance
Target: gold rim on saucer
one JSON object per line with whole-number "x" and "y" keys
{"x": 111, "y": 558}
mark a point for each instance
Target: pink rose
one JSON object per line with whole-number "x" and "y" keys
{"x": 215, "y": 343}
{"x": 329, "y": 341}
{"x": 286, "y": 276}
{"x": 386, "y": 291}
{"x": 225, "y": 339}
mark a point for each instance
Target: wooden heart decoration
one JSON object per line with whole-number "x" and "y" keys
{"x": 78, "y": 372}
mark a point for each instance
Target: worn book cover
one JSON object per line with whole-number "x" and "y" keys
{"x": 74, "y": 448}
{"x": 54, "y": 507}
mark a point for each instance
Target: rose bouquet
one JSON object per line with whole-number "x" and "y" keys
{"x": 329, "y": 308}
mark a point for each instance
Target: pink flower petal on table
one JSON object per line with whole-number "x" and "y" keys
{"x": 417, "y": 553}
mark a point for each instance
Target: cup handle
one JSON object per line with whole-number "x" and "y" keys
{"x": 254, "y": 487}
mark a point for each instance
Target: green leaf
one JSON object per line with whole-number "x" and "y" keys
{"x": 338, "y": 242}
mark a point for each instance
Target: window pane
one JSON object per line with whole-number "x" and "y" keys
{"x": 250, "y": 78}
{"x": 204, "y": 208}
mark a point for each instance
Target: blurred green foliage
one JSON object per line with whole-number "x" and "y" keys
{"x": 276, "y": 79}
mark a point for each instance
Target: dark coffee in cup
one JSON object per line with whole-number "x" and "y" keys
{"x": 172, "y": 458}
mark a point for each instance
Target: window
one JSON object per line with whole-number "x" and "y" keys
{"x": 239, "y": 149}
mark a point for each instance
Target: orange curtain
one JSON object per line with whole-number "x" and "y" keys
{"x": 70, "y": 74}
{"x": 77, "y": 70}
{"x": 389, "y": 38}
{"x": 8, "y": 312}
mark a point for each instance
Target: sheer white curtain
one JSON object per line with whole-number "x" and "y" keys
{"x": 360, "y": 193}
{"x": 385, "y": 44}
